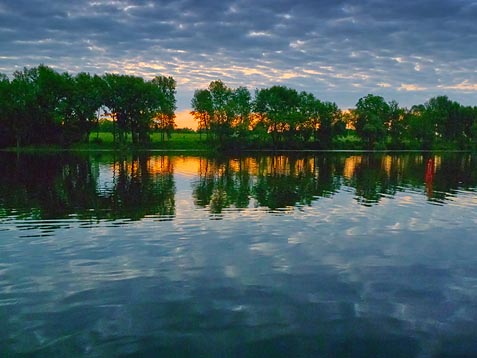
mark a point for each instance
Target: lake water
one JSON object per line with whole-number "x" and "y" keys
{"x": 302, "y": 255}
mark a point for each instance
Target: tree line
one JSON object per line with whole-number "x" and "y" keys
{"x": 282, "y": 117}
{"x": 40, "y": 106}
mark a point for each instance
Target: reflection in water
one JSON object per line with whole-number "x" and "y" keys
{"x": 133, "y": 187}
{"x": 429, "y": 177}
{"x": 141, "y": 186}
{"x": 59, "y": 186}
{"x": 117, "y": 256}
{"x": 222, "y": 183}
{"x": 280, "y": 182}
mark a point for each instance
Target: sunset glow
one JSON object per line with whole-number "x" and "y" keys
{"x": 185, "y": 120}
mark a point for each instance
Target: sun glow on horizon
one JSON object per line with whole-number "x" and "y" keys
{"x": 185, "y": 120}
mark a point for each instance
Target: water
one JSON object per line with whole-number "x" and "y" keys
{"x": 325, "y": 255}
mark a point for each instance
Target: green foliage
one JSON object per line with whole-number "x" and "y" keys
{"x": 132, "y": 103}
{"x": 41, "y": 106}
{"x": 36, "y": 97}
{"x": 165, "y": 88}
{"x": 278, "y": 109}
{"x": 222, "y": 112}
{"x": 441, "y": 123}
{"x": 372, "y": 115}
{"x": 202, "y": 109}
{"x": 6, "y": 128}
{"x": 79, "y": 110}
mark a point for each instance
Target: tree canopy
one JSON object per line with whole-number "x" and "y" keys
{"x": 42, "y": 106}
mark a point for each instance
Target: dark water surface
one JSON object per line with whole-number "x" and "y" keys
{"x": 326, "y": 255}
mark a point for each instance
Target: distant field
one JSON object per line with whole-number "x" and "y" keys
{"x": 178, "y": 141}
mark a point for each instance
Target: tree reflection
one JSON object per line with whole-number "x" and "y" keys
{"x": 449, "y": 173}
{"x": 142, "y": 186}
{"x": 375, "y": 177}
{"x": 222, "y": 183}
{"x": 267, "y": 181}
{"x": 136, "y": 186}
{"x": 59, "y": 186}
{"x": 287, "y": 181}
{"x": 47, "y": 186}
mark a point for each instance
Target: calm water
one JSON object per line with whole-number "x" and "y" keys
{"x": 337, "y": 255}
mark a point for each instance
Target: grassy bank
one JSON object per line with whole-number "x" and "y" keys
{"x": 178, "y": 141}
{"x": 194, "y": 142}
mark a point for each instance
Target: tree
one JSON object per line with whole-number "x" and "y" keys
{"x": 166, "y": 104}
{"x": 222, "y": 116}
{"x": 241, "y": 107}
{"x": 309, "y": 109}
{"x": 115, "y": 97}
{"x": 36, "y": 97}
{"x": 6, "y": 130}
{"x": 222, "y": 111}
{"x": 278, "y": 108}
{"x": 372, "y": 114}
{"x": 202, "y": 110}
{"x": 133, "y": 103}
{"x": 441, "y": 120}
{"x": 330, "y": 123}
{"x": 395, "y": 124}
{"x": 42, "y": 106}
{"x": 81, "y": 106}
{"x": 473, "y": 130}
{"x": 421, "y": 127}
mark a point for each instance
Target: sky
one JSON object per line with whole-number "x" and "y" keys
{"x": 403, "y": 50}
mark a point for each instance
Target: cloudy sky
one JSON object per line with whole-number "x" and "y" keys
{"x": 407, "y": 50}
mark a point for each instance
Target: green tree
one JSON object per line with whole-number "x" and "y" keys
{"x": 278, "y": 109}
{"x": 421, "y": 127}
{"x": 309, "y": 109}
{"x": 116, "y": 97}
{"x": 222, "y": 118}
{"x": 240, "y": 108}
{"x": 473, "y": 131}
{"x": 440, "y": 121}
{"x": 468, "y": 117}
{"x": 202, "y": 110}
{"x": 396, "y": 125}
{"x": 330, "y": 123}
{"x": 36, "y": 97}
{"x": 133, "y": 103}
{"x": 372, "y": 114}
{"x": 165, "y": 105}
{"x": 80, "y": 109}
{"x": 6, "y": 130}
{"x": 223, "y": 112}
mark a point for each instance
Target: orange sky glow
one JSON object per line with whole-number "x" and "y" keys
{"x": 185, "y": 120}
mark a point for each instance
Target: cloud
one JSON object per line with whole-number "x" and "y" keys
{"x": 465, "y": 86}
{"x": 338, "y": 50}
{"x": 410, "y": 87}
